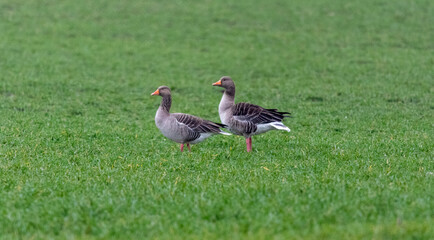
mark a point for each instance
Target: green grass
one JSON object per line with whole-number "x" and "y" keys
{"x": 80, "y": 156}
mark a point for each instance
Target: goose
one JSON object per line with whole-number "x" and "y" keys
{"x": 180, "y": 127}
{"x": 247, "y": 119}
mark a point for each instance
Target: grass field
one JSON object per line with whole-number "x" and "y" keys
{"x": 81, "y": 158}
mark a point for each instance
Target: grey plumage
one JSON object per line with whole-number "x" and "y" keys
{"x": 256, "y": 114}
{"x": 247, "y": 119}
{"x": 180, "y": 127}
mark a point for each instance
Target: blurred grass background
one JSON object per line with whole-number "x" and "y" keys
{"x": 80, "y": 156}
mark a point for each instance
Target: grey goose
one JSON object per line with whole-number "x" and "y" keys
{"x": 180, "y": 127}
{"x": 247, "y": 119}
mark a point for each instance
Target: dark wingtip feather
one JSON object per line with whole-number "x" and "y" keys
{"x": 282, "y": 114}
{"x": 220, "y": 125}
{"x": 285, "y": 114}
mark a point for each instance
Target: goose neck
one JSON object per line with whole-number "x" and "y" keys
{"x": 166, "y": 103}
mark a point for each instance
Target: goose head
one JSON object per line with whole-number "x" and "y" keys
{"x": 162, "y": 91}
{"x": 225, "y": 82}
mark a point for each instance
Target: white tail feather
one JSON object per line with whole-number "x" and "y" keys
{"x": 225, "y": 133}
{"x": 280, "y": 126}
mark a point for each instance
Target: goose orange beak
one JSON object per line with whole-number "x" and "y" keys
{"x": 157, "y": 92}
{"x": 218, "y": 83}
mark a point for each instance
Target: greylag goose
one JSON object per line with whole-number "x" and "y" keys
{"x": 180, "y": 127}
{"x": 247, "y": 119}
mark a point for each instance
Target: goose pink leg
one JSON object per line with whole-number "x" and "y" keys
{"x": 182, "y": 147}
{"x": 249, "y": 144}
{"x": 188, "y": 145}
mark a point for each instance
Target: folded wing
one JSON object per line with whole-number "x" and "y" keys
{"x": 257, "y": 115}
{"x": 197, "y": 124}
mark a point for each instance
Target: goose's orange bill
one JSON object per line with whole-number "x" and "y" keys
{"x": 157, "y": 92}
{"x": 218, "y": 83}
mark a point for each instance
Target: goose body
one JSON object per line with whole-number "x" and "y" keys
{"x": 247, "y": 119}
{"x": 180, "y": 127}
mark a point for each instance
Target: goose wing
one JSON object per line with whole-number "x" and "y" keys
{"x": 255, "y": 114}
{"x": 197, "y": 124}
